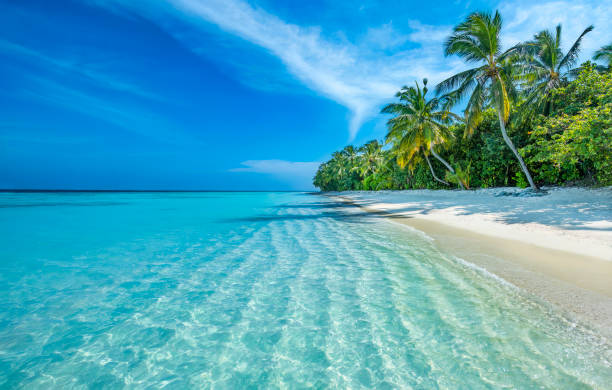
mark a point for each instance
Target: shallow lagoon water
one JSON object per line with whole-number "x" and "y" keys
{"x": 268, "y": 290}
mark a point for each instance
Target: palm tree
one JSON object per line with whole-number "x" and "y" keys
{"x": 419, "y": 125}
{"x": 338, "y": 162}
{"x": 343, "y": 160}
{"x": 491, "y": 83}
{"x": 324, "y": 178}
{"x": 372, "y": 158}
{"x": 351, "y": 155}
{"x": 546, "y": 68}
{"x": 604, "y": 54}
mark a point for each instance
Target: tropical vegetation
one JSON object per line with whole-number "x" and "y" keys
{"x": 554, "y": 118}
{"x": 604, "y": 54}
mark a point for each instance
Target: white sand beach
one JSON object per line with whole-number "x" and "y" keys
{"x": 557, "y": 246}
{"x": 575, "y": 220}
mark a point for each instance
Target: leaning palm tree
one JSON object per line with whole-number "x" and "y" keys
{"x": 419, "y": 125}
{"x": 604, "y": 54}
{"x": 490, "y": 83}
{"x": 410, "y": 157}
{"x": 546, "y": 68}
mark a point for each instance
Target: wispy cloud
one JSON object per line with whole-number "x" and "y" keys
{"x": 278, "y": 167}
{"x": 24, "y": 133}
{"x": 75, "y": 83}
{"x": 76, "y": 67}
{"x": 126, "y": 116}
{"x": 427, "y": 34}
{"x": 384, "y": 37}
{"x": 299, "y": 174}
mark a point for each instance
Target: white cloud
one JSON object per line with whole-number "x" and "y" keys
{"x": 298, "y": 174}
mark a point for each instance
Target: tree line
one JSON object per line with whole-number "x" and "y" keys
{"x": 554, "y": 118}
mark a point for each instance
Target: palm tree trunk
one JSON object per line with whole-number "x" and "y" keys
{"x": 511, "y": 146}
{"x": 432, "y": 171}
{"x": 447, "y": 165}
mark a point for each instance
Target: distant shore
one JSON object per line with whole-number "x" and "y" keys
{"x": 557, "y": 247}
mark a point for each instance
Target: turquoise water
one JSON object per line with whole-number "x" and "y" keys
{"x": 261, "y": 290}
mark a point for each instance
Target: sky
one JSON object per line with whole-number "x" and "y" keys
{"x": 223, "y": 94}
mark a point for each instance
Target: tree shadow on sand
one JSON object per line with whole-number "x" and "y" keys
{"x": 583, "y": 214}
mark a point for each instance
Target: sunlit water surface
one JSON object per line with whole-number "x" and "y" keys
{"x": 269, "y": 290}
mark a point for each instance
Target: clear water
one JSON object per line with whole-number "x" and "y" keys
{"x": 261, "y": 290}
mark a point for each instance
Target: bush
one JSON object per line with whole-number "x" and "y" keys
{"x": 575, "y": 142}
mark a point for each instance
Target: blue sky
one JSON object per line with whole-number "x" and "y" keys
{"x": 222, "y": 94}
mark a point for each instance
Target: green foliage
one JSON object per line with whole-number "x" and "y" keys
{"x": 589, "y": 89}
{"x": 461, "y": 175}
{"x": 491, "y": 162}
{"x": 520, "y": 180}
{"x": 575, "y": 143}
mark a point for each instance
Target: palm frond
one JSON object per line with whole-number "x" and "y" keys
{"x": 461, "y": 78}
{"x": 605, "y": 53}
{"x": 572, "y": 54}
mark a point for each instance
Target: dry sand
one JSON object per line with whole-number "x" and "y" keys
{"x": 557, "y": 247}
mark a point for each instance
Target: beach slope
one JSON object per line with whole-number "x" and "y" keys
{"x": 557, "y": 246}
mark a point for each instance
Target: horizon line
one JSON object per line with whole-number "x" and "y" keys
{"x": 24, "y": 190}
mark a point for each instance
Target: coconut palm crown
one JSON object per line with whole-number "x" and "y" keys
{"x": 372, "y": 158}
{"x": 546, "y": 67}
{"x": 418, "y": 125}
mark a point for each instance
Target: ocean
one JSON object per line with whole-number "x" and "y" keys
{"x": 235, "y": 290}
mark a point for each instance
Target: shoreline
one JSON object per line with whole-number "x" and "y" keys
{"x": 579, "y": 285}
